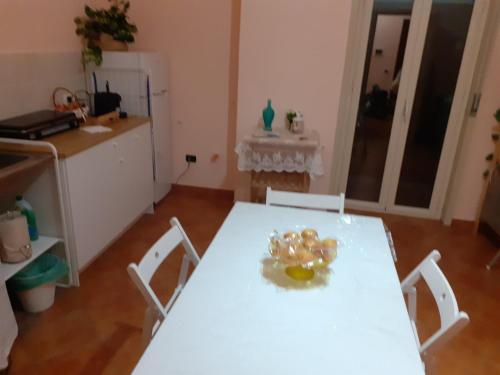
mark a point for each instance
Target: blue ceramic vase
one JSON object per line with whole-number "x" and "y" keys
{"x": 268, "y": 116}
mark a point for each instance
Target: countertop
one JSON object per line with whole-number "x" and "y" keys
{"x": 72, "y": 142}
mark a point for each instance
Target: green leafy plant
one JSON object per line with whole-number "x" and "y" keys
{"x": 290, "y": 115}
{"x": 112, "y": 21}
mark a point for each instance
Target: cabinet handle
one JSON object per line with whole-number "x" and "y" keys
{"x": 122, "y": 160}
{"x": 115, "y": 144}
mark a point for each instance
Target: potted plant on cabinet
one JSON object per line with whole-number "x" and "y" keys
{"x": 290, "y": 115}
{"x": 493, "y": 157}
{"x": 493, "y": 160}
{"x": 105, "y": 29}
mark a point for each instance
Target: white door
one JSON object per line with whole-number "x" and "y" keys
{"x": 408, "y": 101}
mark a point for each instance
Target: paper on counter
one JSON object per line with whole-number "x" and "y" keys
{"x": 96, "y": 129}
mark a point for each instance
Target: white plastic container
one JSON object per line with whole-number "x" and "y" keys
{"x": 38, "y": 299}
{"x": 298, "y": 123}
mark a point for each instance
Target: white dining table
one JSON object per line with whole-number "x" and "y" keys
{"x": 232, "y": 319}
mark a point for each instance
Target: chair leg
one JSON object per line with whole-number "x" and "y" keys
{"x": 494, "y": 260}
{"x": 150, "y": 319}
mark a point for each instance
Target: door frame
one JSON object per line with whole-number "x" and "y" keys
{"x": 361, "y": 12}
{"x": 452, "y": 198}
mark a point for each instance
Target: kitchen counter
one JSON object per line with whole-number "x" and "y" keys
{"x": 72, "y": 142}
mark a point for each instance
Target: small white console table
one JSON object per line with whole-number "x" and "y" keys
{"x": 280, "y": 159}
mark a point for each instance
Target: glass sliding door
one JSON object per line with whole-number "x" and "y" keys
{"x": 439, "y": 68}
{"x": 412, "y": 68}
{"x": 387, "y": 42}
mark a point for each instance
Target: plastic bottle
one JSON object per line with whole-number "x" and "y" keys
{"x": 26, "y": 209}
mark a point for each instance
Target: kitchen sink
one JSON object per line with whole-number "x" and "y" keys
{"x": 18, "y": 170}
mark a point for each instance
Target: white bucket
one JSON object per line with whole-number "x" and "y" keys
{"x": 38, "y": 299}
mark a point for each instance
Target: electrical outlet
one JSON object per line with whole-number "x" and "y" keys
{"x": 191, "y": 158}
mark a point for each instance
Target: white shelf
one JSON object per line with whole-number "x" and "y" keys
{"x": 7, "y": 270}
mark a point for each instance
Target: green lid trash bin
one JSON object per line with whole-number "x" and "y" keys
{"x": 35, "y": 283}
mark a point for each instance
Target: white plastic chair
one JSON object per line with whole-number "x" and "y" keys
{"x": 305, "y": 200}
{"x": 141, "y": 275}
{"x": 452, "y": 320}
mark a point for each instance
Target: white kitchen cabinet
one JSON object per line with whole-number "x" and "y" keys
{"x": 108, "y": 187}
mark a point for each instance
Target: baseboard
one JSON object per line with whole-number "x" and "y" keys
{"x": 486, "y": 230}
{"x": 197, "y": 190}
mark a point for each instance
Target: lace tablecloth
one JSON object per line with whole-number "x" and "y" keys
{"x": 280, "y": 151}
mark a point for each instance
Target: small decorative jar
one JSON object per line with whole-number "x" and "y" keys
{"x": 297, "y": 126}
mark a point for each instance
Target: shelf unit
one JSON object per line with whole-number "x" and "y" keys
{"x": 6, "y": 271}
{"x": 40, "y": 246}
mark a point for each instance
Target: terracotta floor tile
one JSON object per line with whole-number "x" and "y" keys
{"x": 95, "y": 328}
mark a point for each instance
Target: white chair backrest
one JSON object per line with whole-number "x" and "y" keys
{"x": 452, "y": 320}
{"x": 305, "y": 200}
{"x": 141, "y": 274}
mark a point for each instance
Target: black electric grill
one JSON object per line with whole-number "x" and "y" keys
{"x": 38, "y": 124}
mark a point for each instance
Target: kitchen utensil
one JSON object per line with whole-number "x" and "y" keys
{"x": 15, "y": 243}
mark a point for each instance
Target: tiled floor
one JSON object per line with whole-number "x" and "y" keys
{"x": 96, "y": 328}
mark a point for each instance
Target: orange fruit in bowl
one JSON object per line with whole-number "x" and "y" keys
{"x": 329, "y": 243}
{"x": 311, "y": 243}
{"x": 304, "y": 256}
{"x": 291, "y": 235}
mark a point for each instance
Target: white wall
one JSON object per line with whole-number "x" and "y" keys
{"x": 40, "y": 25}
{"x": 39, "y": 51}
{"x": 28, "y": 79}
{"x": 293, "y": 52}
{"x": 195, "y": 37}
{"x": 478, "y": 141}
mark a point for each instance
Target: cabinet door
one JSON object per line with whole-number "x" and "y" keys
{"x": 91, "y": 179}
{"x": 109, "y": 186}
{"x": 136, "y": 173}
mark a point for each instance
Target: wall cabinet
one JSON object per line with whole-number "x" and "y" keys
{"x": 108, "y": 187}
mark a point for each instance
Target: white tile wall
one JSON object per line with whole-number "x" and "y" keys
{"x": 130, "y": 84}
{"x": 27, "y": 80}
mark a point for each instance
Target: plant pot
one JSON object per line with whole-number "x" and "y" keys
{"x": 107, "y": 43}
